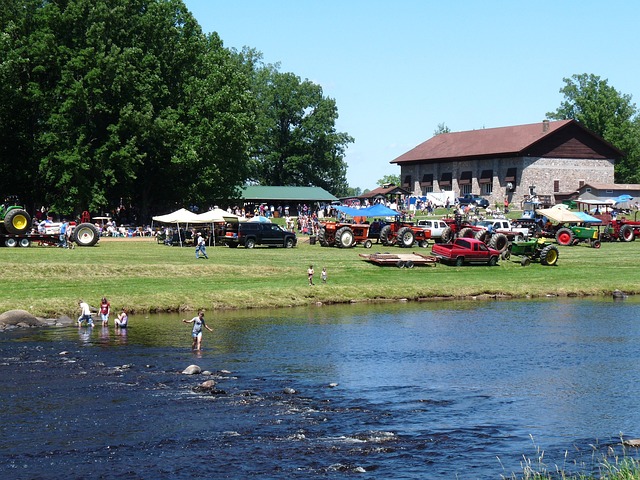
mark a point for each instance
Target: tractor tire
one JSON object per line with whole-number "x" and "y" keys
{"x": 367, "y": 244}
{"x": 85, "y": 235}
{"x": 406, "y": 237}
{"x": 447, "y": 235}
{"x": 484, "y": 236}
{"x": 386, "y": 236}
{"x": 499, "y": 241}
{"x": 345, "y": 237}
{"x": 423, "y": 243}
{"x": 565, "y": 237}
{"x": 549, "y": 255}
{"x": 626, "y": 234}
{"x": 506, "y": 255}
{"x": 525, "y": 261}
{"x": 466, "y": 232}
{"x": 322, "y": 237}
{"x": 17, "y": 221}
{"x": 596, "y": 244}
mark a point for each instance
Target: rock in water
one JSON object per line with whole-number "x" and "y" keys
{"x": 15, "y": 317}
{"x": 192, "y": 370}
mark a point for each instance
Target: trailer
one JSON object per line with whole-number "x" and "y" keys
{"x": 26, "y": 239}
{"x": 400, "y": 260}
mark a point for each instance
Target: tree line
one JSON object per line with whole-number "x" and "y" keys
{"x": 119, "y": 103}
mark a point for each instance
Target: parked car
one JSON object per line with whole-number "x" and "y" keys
{"x": 250, "y": 234}
{"x": 471, "y": 199}
{"x": 435, "y": 226}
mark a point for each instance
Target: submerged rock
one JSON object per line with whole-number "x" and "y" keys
{"x": 192, "y": 370}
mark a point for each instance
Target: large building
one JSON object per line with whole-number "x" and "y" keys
{"x": 547, "y": 158}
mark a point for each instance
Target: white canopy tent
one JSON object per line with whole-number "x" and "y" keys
{"x": 179, "y": 216}
{"x": 217, "y": 215}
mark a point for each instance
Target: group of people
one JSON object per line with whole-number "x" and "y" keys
{"x": 121, "y": 321}
{"x": 311, "y": 272}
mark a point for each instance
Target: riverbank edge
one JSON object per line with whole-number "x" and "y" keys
{"x": 65, "y": 320}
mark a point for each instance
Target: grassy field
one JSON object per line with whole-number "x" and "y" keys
{"x": 147, "y": 277}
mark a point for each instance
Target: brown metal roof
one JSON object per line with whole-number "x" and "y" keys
{"x": 382, "y": 191}
{"x": 501, "y": 141}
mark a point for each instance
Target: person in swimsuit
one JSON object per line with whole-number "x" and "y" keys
{"x": 123, "y": 319}
{"x": 196, "y": 332}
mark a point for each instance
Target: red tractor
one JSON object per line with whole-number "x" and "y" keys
{"x": 346, "y": 235}
{"x": 623, "y": 230}
{"x": 404, "y": 234}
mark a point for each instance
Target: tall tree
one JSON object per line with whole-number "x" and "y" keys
{"x": 296, "y": 142}
{"x": 389, "y": 179}
{"x": 608, "y": 113}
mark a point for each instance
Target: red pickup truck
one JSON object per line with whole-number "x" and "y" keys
{"x": 465, "y": 250}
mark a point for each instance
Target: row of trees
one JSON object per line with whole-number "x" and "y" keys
{"x": 110, "y": 102}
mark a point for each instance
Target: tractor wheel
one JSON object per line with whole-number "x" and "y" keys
{"x": 367, "y": 244}
{"x": 626, "y": 234}
{"x": 85, "y": 235}
{"x": 17, "y": 221}
{"x": 405, "y": 237}
{"x": 525, "y": 261}
{"x": 386, "y": 236}
{"x": 345, "y": 237}
{"x": 484, "y": 236}
{"x": 499, "y": 242}
{"x": 423, "y": 243}
{"x": 549, "y": 255}
{"x": 447, "y": 235}
{"x": 596, "y": 244}
{"x": 564, "y": 236}
{"x": 506, "y": 255}
{"x": 466, "y": 232}
{"x": 322, "y": 237}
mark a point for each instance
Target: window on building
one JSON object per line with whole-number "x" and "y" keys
{"x": 426, "y": 185}
{"x": 445, "y": 182}
{"x": 609, "y": 192}
{"x": 556, "y": 186}
{"x": 407, "y": 182}
{"x": 464, "y": 189}
{"x": 486, "y": 182}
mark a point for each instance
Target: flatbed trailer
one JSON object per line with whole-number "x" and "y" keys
{"x": 26, "y": 239}
{"x": 400, "y": 260}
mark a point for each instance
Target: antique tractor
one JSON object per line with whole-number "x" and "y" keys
{"x": 573, "y": 235}
{"x": 14, "y": 219}
{"x": 404, "y": 234}
{"x": 346, "y": 235}
{"x": 536, "y": 249}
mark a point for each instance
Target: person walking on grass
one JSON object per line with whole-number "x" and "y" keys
{"x": 196, "y": 332}
{"x": 323, "y": 275}
{"x": 310, "y": 274}
{"x": 201, "y": 247}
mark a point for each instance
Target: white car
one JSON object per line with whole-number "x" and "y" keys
{"x": 435, "y": 226}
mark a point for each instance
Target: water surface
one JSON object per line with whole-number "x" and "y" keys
{"x": 428, "y": 390}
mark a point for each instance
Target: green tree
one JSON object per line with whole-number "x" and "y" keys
{"x": 442, "y": 128}
{"x": 608, "y": 113}
{"x": 296, "y": 142}
{"x": 389, "y": 179}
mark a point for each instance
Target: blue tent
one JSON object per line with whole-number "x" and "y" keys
{"x": 377, "y": 210}
{"x": 586, "y": 218}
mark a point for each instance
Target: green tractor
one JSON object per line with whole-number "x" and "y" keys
{"x": 536, "y": 249}
{"x": 14, "y": 219}
{"x": 572, "y": 235}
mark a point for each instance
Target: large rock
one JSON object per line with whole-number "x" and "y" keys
{"x": 20, "y": 318}
{"x": 192, "y": 370}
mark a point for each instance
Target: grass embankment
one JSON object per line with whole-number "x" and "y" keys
{"x": 147, "y": 277}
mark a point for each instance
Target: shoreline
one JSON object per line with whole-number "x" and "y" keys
{"x": 29, "y": 320}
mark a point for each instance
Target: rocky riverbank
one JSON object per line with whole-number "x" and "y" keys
{"x": 23, "y": 319}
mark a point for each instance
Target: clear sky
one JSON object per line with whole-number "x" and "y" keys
{"x": 398, "y": 68}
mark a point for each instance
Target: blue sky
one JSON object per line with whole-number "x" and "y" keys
{"x": 399, "y": 68}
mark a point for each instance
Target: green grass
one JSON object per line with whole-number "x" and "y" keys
{"x": 147, "y": 277}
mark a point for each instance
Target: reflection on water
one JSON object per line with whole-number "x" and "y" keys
{"x": 422, "y": 390}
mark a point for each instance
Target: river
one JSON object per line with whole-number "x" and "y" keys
{"x": 406, "y": 391}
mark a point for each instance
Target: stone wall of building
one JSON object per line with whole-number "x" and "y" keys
{"x": 547, "y": 175}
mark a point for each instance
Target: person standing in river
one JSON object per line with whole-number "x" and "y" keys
{"x": 196, "y": 332}
{"x": 105, "y": 310}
